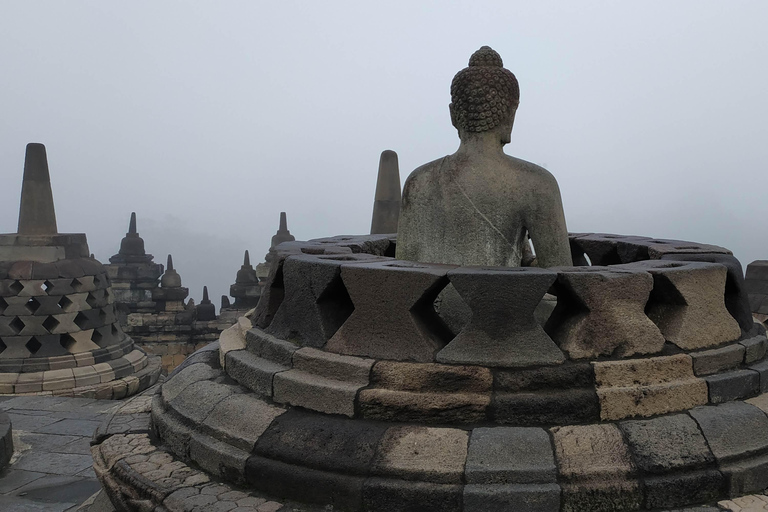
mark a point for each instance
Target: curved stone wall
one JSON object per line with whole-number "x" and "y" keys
{"x": 641, "y": 386}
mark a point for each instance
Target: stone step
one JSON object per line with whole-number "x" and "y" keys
{"x": 303, "y": 389}
{"x": 252, "y": 371}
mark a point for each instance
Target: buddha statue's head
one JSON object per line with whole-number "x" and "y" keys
{"x": 484, "y": 96}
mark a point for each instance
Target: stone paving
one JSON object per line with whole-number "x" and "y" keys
{"x": 51, "y": 469}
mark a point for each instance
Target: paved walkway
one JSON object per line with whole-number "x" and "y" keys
{"x": 51, "y": 469}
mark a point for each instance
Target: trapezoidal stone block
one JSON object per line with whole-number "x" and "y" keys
{"x": 687, "y": 303}
{"x": 502, "y": 330}
{"x": 394, "y": 317}
{"x": 315, "y": 302}
{"x": 600, "y": 312}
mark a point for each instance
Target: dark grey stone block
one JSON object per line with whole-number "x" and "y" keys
{"x": 493, "y": 338}
{"x": 199, "y": 399}
{"x": 545, "y": 407}
{"x": 505, "y": 498}
{"x": 733, "y": 430}
{"x": 667, "y": 444}
{"x": 681, "y": 489}
{"x": 252, "y": 372}
{"x": 755, "y": 348}
{"x": 502, "y": 455}
{"x": 734, "y": 385}
{"x": 746, "y": 476}
{"x": 386, "y": 495}
{"x": 566, "y": 376}
{"x": 762, "y": 369}
{"x": 716, "y": 360}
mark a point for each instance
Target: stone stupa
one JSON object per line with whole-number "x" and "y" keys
{"x": 59, "y": 333}
{"x": 346, "y": 390}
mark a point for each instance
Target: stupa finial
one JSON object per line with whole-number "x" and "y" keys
{"x": 37, "y": 215}
{"x": 132, "y": 225}
{"x": 206, "y": 300}
{"x": 246, "y": 259}
{"x": 283, "y": 222}
{"x": 386, "y": 203}
{"x": 169, "y": 267}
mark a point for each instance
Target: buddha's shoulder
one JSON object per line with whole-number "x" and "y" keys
{"x": 538, "y": 175}
{"x": 425, "y": 173}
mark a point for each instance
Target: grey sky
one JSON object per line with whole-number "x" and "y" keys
{"x": 209, "y": 118}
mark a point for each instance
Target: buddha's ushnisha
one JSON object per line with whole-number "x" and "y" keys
{"x": 479, "y": 206}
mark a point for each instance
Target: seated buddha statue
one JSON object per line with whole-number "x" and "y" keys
{"x": 479, "y": 205}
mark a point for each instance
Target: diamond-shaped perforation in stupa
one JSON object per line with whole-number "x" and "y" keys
{"x": 33, "y": 345}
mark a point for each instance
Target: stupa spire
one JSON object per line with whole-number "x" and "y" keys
{"x": 246, "y": 259}
{"x": 386, "y": 204}
{"x": 37, "y": 215}
{"x": 169, "y": 266}
{"x": 132, "y": 224}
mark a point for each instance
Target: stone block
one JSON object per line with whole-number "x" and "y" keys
{"x": 492, "y": 337}
{"x": 666, "y": 444}
{"x": 510, "y": 455}
{"x": 315, "y": 303}
{"x": 174, "y": 385}
{"x": 754, "y": 348}
{"x": 566, "y": 376}
{"x": 393, "y": 315}
{"x": 746, "y": 476}
{"x": 328, "y": 443}
{"x": 228, "y": 423}
{"x": 58, "y": 379}
{"x": 677, "y": 490}
{"x": 304, "y": 484}
{"x": 517, "y": 497}
{"x": 333, "y": 366}
{"x": 422, "y": 453}
{"x": 600, "y": 312}
{"x": 29, "y": 383}
{"x": 688, "y": 303}
{"x": 253, "y": 372}
{"x": 733, "y": 430}
{"x": 423, "y": 407}
{"x": 431, "y": 377}
{"x": 268, "y": 347}
{"x": 734, "y": 385}
{"x": 198, "y": 399}
{"x": 217, "y": 458}
{"x": 85, "y": 376}
{"x": 646, "y": 387}
{"x": 546, "y": 407}
{"x": 314, "y": 392}
{"x": 716, "y": 360}
{"x": 387, "y": 495}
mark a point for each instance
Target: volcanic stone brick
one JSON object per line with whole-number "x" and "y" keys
{"x": 681, "y": 489}
{"x": 596, "y": 465}
{"x": 229, "y": 423}
{"x": 736, "y": 295}
{"x": 282, "y": 480}
{"x": 716, "y": 360}
{"x": 329, "y": 443}
{"x": 762, "y": 369}
{"x": 316, "y": 303}
{"x": 600, "y": 312}
{"x": 218, "y": 458}
{"x": 755, "y": 348}
{"x": 253, "y": 372}
{"x": 646, "y": 387}
{"x": 517, "y": 497}
{"x": 269, "y": 347}
{"x": 394, "y": 317}
{"x": 386, "y": 495}
{"x": 687, "y": 303}
{"x": 733, "y": 429}
{"x": 502, "y": 455}
{"x": 426, "y": 392}
{"x": 668, "y": 443}
{"x": 424, "y": 453}
{"x": 545, "y": 407}
{"x": 724, "y": 387}
{"x": 736, "y": 431}
{"x": 493, "y": 337}
{"x": 197, "y": 401}
{"x": 175, "y": 384}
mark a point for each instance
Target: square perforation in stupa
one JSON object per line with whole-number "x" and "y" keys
{"x": 51, "y": 323}
{"x": 33, "y": 345}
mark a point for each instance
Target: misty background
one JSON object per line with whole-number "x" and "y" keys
{"x": 209, "y": 118}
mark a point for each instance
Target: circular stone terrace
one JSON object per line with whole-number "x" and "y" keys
{"x": 643, "y": 389}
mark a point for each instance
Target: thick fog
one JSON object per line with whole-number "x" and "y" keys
{"x": 209, "y": 118}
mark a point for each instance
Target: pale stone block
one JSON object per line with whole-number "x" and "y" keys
{"x": 58, "y": 379}
{"x": 29, "y": 382}
{"x": 85, "y": 376}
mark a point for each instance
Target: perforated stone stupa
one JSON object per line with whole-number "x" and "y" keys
{"x": 59, "y": 332}
{"x": 346, "y": 390}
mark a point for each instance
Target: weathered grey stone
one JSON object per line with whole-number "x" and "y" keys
{"x": 683, "y": 488}
{"x": 393, "y": 316}
{"x": 424, "y": 453}
{"x": 755, "y": 348}
{"x": 733, "y": 429}
{"x": 492, "y": 337}
{"x": 734, "y": 385}
{"x": 316, "y": 303}
{"x": 386, "y": 204}
{"x": 600, "y": 312}
{"x": 252, "y": 371}
{"x": 716, "y": 360}
{"x": 504, "y": 455}
{"x": 388, "y": 494}
{"x": 665, "y": 444}
{"x": 36, "y": 213}
{"x": 228, "y": 421}
{"x": 687, "y": 303}
{"x": 762, "y": 369}
{"x": 517, "y": 497}
{"x": 475, "y": 206}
